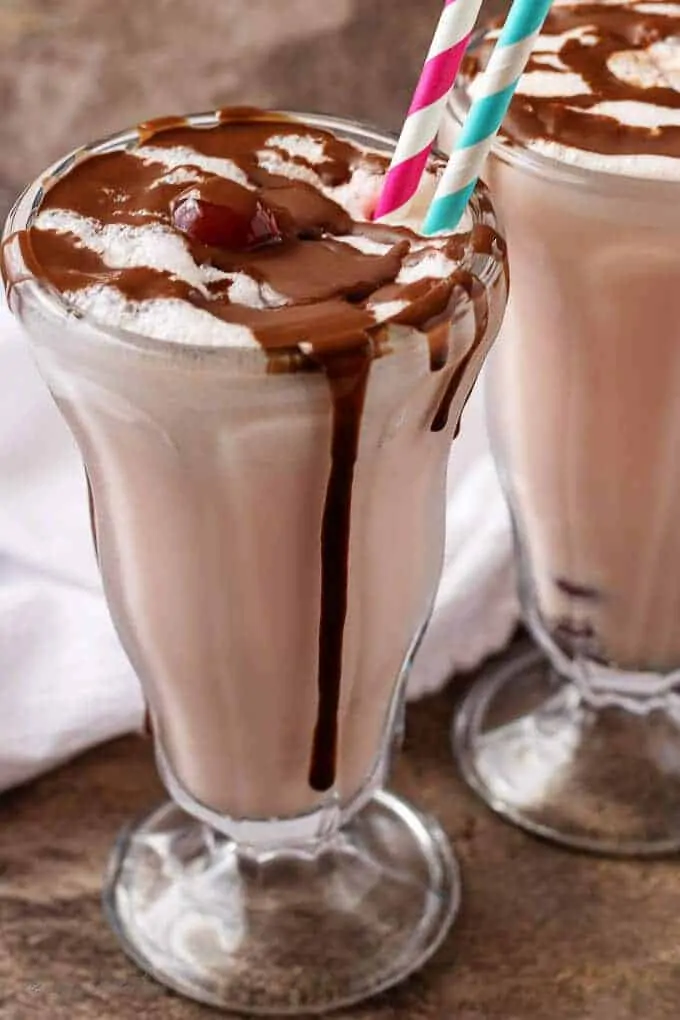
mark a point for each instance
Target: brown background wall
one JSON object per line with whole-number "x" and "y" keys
{"x": 72, "y": 70}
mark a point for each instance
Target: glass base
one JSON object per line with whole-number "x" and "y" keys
{"x": 600, "y": 779}
{"x": 292, "y": 931}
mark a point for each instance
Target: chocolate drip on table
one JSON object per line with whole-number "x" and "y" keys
{"x": 567, "y": 119}
{"x": 325, "y": 324}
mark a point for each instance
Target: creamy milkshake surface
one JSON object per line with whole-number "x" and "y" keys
{"x": 584, "y": 389}
{"x": 266, "y": 439}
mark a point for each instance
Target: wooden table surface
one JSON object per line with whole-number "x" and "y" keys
{"x": 544, "y": 934}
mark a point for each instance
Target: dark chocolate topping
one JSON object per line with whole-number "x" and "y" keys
{"x": 325, "y": 282}
{"x": 613, "y": 29}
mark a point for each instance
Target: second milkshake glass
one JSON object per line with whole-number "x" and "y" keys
{"x": 252, "y": 890}
{"x": 583, "y": 401}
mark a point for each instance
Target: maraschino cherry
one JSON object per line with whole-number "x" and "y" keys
{"x": 223, "y": 214}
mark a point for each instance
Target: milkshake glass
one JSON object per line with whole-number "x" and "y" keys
{"x": 584, "y": 415}
{"x": 270, "y": 536}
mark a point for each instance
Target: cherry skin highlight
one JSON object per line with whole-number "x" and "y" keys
{"x": 238, "y": 226}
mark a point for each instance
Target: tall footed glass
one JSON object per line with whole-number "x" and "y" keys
{"x": 253, "y": 532}
{"x": 582, "y": 400}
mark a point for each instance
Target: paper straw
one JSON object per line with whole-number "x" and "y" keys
{"x": 493, "y": 94}
{"x": 450, "y": 42}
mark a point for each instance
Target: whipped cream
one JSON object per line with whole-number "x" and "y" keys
{"x": 159, "y": 318}
{"x": 152, "y": 246}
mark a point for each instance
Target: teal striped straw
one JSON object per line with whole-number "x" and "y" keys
{"x": 495, "y": 89}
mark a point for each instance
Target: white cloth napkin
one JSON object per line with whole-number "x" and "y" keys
{"x": 65, "y": 683}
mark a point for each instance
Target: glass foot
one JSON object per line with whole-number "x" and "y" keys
{"x": 292, "y": 931}
{"x": 605, "y": 780}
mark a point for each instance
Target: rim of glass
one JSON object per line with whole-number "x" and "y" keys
{"x": 28, "y": 203}
{"x": 558, "y": 171}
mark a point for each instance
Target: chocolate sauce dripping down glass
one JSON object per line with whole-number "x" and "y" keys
{"x": 347, "y": 377}
{"x": 93, "y": 518}
{"x": 480, "y": 302}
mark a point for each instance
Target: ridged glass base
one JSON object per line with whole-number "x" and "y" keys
{"x": 604, "y": 779}
{"x": 283, "y": 932}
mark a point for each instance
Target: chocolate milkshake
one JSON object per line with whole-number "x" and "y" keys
{"x": 265, "y": 385}
{"x": 582, "y": 745}
{"x": 584, "y": 387}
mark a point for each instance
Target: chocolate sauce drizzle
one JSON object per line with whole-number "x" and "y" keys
{"x": 93, "y": 518}
{"x": 347, "y": 377}
{"x": 326, "y": 282}
{"x": 576, "y": 589}
{"x": 568, "y": 119}
{"x": 480, "y": 302}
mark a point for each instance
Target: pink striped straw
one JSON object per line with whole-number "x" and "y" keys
{"x": 448, "y": 48}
